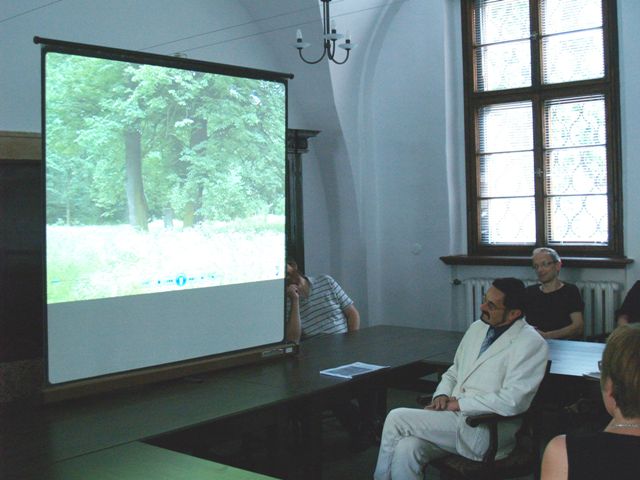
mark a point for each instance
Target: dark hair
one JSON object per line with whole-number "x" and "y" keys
{"x": 513, "y": 290}
{"x": 621, "y": 364}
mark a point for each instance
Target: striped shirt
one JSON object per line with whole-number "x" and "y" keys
{"x": 322, "y": 311}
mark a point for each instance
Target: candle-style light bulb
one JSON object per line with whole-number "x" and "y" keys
{"x": 299, "y": 35}
{"x": 333, "y": 26}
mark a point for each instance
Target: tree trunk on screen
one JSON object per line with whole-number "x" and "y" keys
{"x": 136, "y": 201}
{"x": 198, "y": 135}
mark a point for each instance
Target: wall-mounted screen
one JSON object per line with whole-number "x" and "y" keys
{"x": 165, "y": 209}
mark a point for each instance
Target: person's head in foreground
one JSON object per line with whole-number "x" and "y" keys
{"x": 620, "y": 373}
{"x": 620, "y": 385}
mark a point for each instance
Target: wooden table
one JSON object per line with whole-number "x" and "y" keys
{"x": 137, "y": 460}
{"x": 36, "y": 442}
{"x": 573, "y": 358}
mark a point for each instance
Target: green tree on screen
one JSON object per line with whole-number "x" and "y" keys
{"x": 130, "y": 142}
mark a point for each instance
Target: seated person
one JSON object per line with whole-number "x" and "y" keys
{"x": 553, "y": 307}
{"x": 497, "y": 368}
{"x": 612, "y": 453}
{"x": 317, "y": 305}
{"x": 629, "y": 312}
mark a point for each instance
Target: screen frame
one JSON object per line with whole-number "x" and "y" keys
{"x": 152, "y": 374}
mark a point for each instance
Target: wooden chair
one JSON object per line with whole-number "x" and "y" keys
{"x": 523, "y": 460}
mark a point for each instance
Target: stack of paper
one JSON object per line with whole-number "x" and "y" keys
{"x": 351, "y": 370}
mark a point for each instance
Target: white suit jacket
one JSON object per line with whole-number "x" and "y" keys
{"x": 503, "y": 380}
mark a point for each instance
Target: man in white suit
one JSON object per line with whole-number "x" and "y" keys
{"x": 497, "y": 368}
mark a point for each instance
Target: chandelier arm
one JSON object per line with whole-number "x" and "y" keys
{"x": 330, "y": 48}
{"x": 343, "y": 61}
{"x": 311, "y": 62}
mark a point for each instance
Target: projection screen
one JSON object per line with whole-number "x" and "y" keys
{"x": 165, "y": 209}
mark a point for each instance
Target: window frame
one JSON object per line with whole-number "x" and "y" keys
{"x": 538, "y": 93}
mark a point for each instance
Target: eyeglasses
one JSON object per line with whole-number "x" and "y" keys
{"x": 544, "y": 264}
{"x": 492, "y": 306}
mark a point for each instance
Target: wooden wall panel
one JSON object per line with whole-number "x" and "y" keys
{"x": 21, "y": 240}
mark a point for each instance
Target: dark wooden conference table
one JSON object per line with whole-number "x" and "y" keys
{"x": 59, "y": 441}
{"x": 572, "y": 358}
{"x": 111, "y": 436}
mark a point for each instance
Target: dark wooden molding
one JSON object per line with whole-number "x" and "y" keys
{"x": 25, "y": 146}
{"x": 297, "y": 145}
{"x": 21, "y": 328}
{"x": 298, "y": 140}
{"x": 525, "y": 261}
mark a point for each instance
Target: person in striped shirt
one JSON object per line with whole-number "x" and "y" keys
{"x": 317, "y": 305}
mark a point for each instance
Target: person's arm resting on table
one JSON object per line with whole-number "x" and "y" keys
{"x": 570, "y": 331}
{"x": 353, "y": 317}
{"x": 294, "y": 328}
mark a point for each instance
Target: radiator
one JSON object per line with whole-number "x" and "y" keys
{"x": 474, "y": 292}
{"x": 600, "y": 302}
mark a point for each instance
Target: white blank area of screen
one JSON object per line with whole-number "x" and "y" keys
{"x": 99, "y": 337}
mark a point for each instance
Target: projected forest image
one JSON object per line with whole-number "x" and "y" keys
{"x": 160, "y": 179}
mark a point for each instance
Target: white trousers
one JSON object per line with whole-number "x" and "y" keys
{"x": 411, "y": 438}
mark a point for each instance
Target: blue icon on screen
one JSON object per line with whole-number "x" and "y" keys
{"x": 181, "y": 280}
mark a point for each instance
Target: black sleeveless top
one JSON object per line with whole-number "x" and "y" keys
{"x": 603, "y": 455}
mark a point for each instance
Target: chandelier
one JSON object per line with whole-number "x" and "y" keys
{"x": 330, "y": 37}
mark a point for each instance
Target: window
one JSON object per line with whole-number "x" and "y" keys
{"x": 541, "y": 121}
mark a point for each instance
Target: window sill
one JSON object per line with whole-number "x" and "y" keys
{"x": 519, "y": 261}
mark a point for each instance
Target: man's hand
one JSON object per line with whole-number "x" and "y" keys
{"x": 452, "y": 405}
{"x": 438, "y": 403}
{"x": 293, "y": 293}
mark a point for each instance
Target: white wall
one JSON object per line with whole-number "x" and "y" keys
{"x": 629, "y": 39}
{"x": 399, "y": 137}
{"x": 384, "y": 182}
{"x": 115, "y": 23}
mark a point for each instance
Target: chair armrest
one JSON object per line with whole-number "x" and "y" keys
{"x": 489, "y": 418}
{"x": 472, "y": 420}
